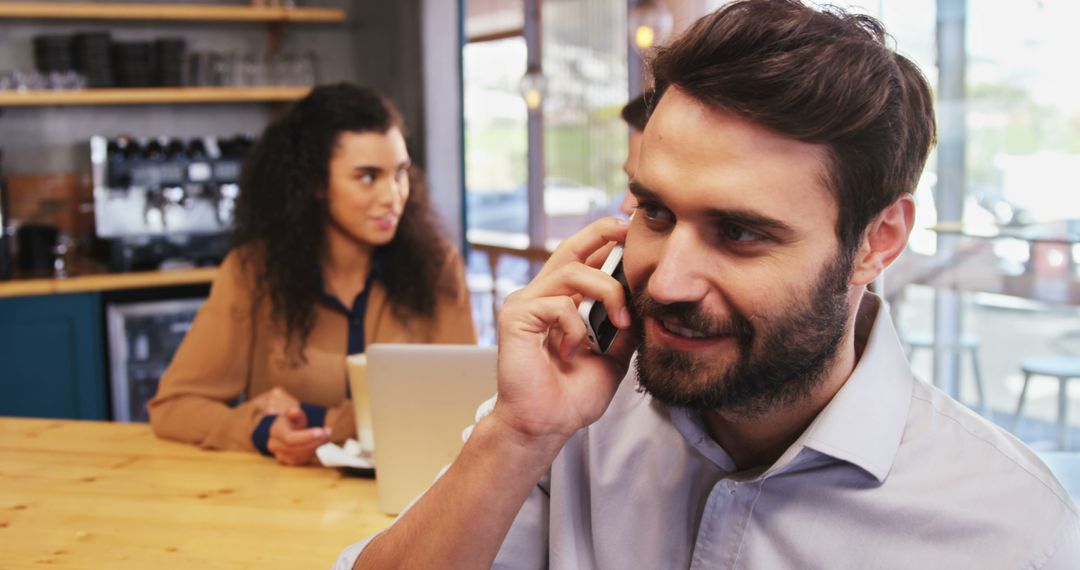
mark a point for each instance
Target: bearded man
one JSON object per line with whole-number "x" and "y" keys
{"x": 770, "y": 418}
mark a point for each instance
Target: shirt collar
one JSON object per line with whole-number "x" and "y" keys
{"x": 862, "y": 424}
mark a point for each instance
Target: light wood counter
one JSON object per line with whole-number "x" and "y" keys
{"x": 107, "y": 282}
{"x": 107, "y": 495}
{"x": 152, "y": 95}
{"x": 166, "y": 12}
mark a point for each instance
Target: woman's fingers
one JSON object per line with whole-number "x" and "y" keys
{"x": 306, "y": 438}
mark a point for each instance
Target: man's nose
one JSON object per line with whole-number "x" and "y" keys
{"x": 681, "y": 270}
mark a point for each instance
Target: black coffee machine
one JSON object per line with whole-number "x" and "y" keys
{"x": 165, "y": 199}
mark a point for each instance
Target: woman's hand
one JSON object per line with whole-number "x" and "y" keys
{"x": 291, "y": 441}
{"x": 274, "y": 401}
{"x": 550, "y": 384}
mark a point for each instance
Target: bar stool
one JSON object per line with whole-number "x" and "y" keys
{"x": 967, "y": 342}
{"x": 1063, "y": 368}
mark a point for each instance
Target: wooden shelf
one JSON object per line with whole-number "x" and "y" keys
{"x": 184, "y": 12}
{"x": 152, "y": 96}
{"x": 107, "y": 282}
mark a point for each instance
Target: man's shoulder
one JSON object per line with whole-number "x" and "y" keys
{"x": 968, "y": 458}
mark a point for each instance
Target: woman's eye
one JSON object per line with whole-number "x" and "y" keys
{"x": 366, "y": 178}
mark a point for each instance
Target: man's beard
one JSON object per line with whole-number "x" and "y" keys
{"x": 773, "y": 367}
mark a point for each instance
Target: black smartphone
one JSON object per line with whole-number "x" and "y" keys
{"x": 601, "y": 332}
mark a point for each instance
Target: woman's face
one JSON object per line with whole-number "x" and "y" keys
{"x": 368, "y": 186}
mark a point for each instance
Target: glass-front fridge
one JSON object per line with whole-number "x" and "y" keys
{"x": 143, "y": 336}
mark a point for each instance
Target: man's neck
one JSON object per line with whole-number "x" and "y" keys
{"x": 758, "y": 440}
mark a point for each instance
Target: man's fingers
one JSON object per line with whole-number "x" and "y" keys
{"x": 597, "y": 258}
{"x": 577, "y": 281}
{"x": 556, "y": 317}
{"x": 581, "y": 245}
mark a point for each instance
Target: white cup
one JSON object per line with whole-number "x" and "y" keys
{"x": 358, "y": 385}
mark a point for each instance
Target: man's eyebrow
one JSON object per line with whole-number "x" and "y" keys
{"x": 737, "y": 216}
{"x": 641, "y": 192}
{"x": 747, "y": 218}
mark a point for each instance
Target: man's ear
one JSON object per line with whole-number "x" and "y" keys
{"x": 884, "y": 240}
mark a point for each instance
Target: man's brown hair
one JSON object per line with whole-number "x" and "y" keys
{"x": 636, "y": 112}
{"x": 818, "y": 76}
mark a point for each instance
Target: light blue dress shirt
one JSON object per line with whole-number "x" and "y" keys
{"x": 891, "y": 474}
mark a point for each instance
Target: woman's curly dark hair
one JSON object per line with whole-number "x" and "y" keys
{"x": 282, "y": 219}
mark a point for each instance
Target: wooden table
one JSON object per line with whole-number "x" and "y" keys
{"x": 106, "y": 495}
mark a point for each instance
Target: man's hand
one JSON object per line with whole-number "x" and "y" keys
{"x": 550, "y": 384}
{"x": 291, "y": 441}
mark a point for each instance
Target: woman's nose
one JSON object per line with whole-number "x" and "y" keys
{"x": 391, "y": 193}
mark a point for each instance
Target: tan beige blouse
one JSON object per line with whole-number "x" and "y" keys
{"x": 234, "y": 349}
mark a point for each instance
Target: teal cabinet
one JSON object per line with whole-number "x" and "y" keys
{"x": 52, "y": 357}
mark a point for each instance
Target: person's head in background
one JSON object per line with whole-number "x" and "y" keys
{"x": 330, "y": 185}
{"x": 635, "y": 114}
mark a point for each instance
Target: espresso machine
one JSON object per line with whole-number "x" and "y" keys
{"x": 165, "y": 200}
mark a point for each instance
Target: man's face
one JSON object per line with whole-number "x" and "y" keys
{"x": 740, "y": 292}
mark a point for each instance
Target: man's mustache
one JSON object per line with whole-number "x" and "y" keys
{"x": 690, "y": 315}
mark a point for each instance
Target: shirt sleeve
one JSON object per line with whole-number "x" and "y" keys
{"x": 210, "y": 369}
{"x": 526, "y": 544}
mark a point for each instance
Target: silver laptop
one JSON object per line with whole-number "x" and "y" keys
{"x": 422, "y": 397}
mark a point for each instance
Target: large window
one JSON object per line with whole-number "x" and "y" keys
{"x": 585, "y": 141}
{"x": 496, "y": 142}
{"x": 573, "y": 169}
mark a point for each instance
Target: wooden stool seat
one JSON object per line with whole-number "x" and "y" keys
{"x": 1064, "y": 368}
{"x": 923, "y": 340}
{"x": 1058, "y": 366}
{"x": 968, "y": 342}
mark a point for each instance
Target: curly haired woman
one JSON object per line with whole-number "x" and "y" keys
{"x": 335, "y": 248}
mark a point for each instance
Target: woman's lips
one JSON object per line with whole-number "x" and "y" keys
{"x": 386, "y": 222}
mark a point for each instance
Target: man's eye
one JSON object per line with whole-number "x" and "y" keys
{"x": 654, "y": 213}
{"x": 735, "y": 232}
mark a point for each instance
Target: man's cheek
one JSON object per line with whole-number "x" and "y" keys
{"x": 637, "y": 263}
